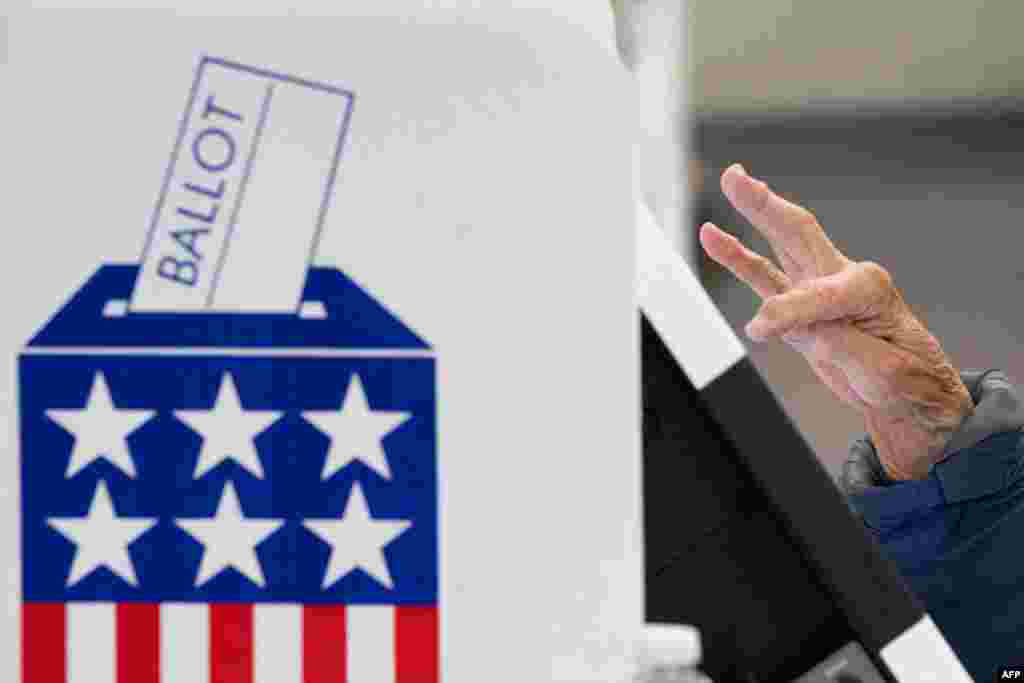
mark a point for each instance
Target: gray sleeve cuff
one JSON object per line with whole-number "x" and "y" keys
{"x": 997, "y": 409}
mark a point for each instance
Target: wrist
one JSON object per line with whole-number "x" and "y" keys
{"x": 910, "y": 443}
{"x": 905, "y": 450}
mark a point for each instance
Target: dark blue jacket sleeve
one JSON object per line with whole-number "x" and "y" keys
{"x": 958, "y": 536}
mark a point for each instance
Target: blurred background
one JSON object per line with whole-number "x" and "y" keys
{"x": 901, "y": 125}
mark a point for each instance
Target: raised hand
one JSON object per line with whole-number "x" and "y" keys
{"x": 851, "y": 324}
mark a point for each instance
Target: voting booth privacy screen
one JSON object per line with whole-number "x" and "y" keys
{"x": 325, "y": 366}
{"x": 746, "y": 536}
{"x": 325, "y": 351}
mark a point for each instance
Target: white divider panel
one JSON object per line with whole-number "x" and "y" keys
{"x": 679, "y": 308}
{"x": 484, "y": 197}
{"x": 922, "y": 655}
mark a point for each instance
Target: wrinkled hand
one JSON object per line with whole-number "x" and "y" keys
{"x": 850, "y": 323}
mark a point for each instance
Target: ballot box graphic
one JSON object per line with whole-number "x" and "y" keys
{"x": 228, "y": 497}
{"x": 229, "y": 464}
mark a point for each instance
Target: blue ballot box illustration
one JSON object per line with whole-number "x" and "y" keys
{"x": 227, "y": 463}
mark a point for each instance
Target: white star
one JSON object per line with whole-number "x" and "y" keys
{"x": 100, "y": 430}
{"x": 228, "y": 430}
{"x": 357, "y": 540}
{"x": 230, "y": 539}
{"x": 102, "y": 538}
{"x": 356, "y": 431}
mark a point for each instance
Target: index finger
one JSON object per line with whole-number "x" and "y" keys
{"x": 756, "y": 271}
{"x": 792, "y": 230}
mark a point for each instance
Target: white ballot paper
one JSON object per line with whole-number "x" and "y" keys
{"x": 246, "y": 193}
{"x": 435, "y": 476}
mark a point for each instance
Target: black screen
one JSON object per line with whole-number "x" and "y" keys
{"x": 719, "y": 553}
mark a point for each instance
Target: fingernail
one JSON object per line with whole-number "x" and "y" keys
{"x": 735, "y": 170}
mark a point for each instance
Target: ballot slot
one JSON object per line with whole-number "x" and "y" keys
{"x": 335, "y": 311}
{"x": 308, "y": 310}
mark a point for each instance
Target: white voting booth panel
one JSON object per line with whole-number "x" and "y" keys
{"x": 432, "y": 467}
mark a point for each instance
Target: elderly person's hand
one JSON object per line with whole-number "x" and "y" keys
{"x": 850, "y": 322}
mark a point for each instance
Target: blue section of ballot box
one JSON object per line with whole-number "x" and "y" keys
{"x": 353, "y": 320}
{"x": 165, "y": 364}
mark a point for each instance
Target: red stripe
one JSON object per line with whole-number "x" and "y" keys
{"x": 417, "y": 645}
{"x": 138, "y": 643}
{"x": 43, "y": 642}
{"x": 323, "y": 644}
{"x": 231, "y": 643}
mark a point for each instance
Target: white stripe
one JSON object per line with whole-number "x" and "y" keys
{"x": 92, "y": 643}
{"x": 224, "y": 351}
{"x": 681, "y": 311}
{"x": 371, "y": 643}
{"x": 184, "y": 643}
{"x": 921, "y": 655}
{"x": 277, "y": 643}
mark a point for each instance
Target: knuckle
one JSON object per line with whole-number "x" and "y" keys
{"x": 775, "y": 315}
{"x": 769, "y": 311}
{"x": 762, "y": 197}
{"x": 806, "y": 217}
{"x": 828, "y": 296}
{"x": 879, "y": 277}
{"x": 754, "y": 259}
{"x": 894, "y": 367}
{"x": 763, "y": 267}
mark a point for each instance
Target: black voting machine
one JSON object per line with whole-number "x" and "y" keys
{"x": 747, "y": 538}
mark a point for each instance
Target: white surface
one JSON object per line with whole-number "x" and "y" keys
{"x": 357, "y": 540}
{"x": 277, "y": 643}
{"x": 115, "y": 308}
{"x": 274, "y": 239}
{"x": 652, "y": 39}
{"x": 669, "y": 646}
{"x": 921, "y": 655}
{"x": 355, "y": 431}
{"x": 681, "y": 311}
{"x": 228, "y": 142}
{"x": 184, "y": 643}
{"x": 101, "y": 538}
{"x": 228, "y": 430}
{"x": 312, "y": 310}
{"x": 100, "y": 429}
{"x": 91, "y": 639}
{"x": 229, "y": 539}
{"x": 370, "y": 643}
{"x": 484, "y": 196}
